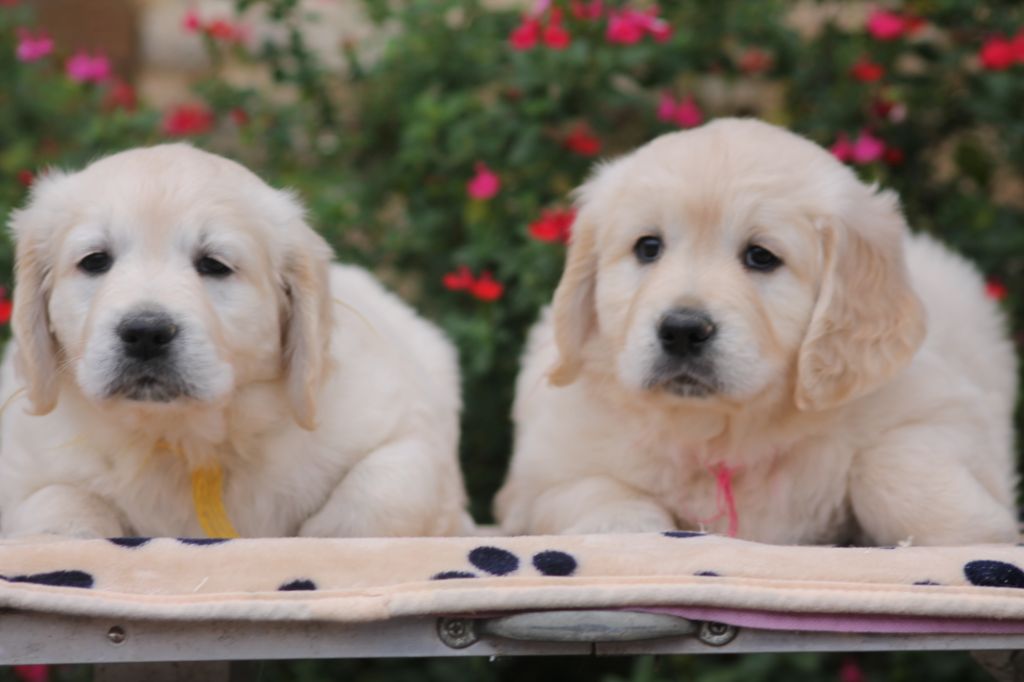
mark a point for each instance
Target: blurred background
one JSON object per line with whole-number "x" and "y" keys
{"x": 437, "y": 141}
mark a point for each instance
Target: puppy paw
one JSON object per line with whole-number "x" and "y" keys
{"x": 624, "y": 518}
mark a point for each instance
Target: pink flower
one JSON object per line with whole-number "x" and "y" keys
{"x": 666, "y": 107}
{"x": 625, "y": 27}
{"x": 659, "y": 29}
{"x": 885, "y": 25}
{"x": 33, "y": 48}
{"x": 485, "y": 184}
{"x": 685, "y": 113}
{"x": 191, "y": 22}
{"x": 688, "y": 114}
{"x": 867, "y": 148}
{"x": 85, "y": 68}
{"x": 841, "y": 148}
{"x": 525, "y": 35}
{"x": 187, "y": 119}
{"x": 26, "y": 177}
{"x": 998, "y": 54}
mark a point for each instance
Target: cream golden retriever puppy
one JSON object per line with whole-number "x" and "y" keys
{"x": 173, "y": 313}
{"x": 746, "y": 338}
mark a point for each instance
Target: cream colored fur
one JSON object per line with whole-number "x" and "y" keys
{"x": 330, "y": 406}
{"x": 866, "y": 387}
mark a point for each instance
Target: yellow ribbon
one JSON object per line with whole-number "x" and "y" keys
{"x": 208, "y": 498}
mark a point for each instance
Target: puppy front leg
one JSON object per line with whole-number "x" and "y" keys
{"x": 403, "y": 489}
{"x": 597, "y": 504}
{"x": 915, "y": 485}
{"x": 63, "y": 510}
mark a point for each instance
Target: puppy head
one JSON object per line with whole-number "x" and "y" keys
{"x": 164, "y": 278}
{"x": 718, "y": 263}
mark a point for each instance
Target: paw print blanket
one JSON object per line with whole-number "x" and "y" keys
{"x": 901, "y": 589}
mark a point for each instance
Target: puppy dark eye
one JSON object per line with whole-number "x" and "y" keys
{"x": 760, "y": 259}
{"x": 211, "y": 267}
{"x": 96, "y": 263}
{"x": 647, "y": 249}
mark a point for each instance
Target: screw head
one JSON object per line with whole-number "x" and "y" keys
{"x": 457, "y": 633}
{"x": 116, "y": 635}
{"x": 716, "y": 634}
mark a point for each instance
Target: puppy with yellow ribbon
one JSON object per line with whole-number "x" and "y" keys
{"x": 187, "y": 361}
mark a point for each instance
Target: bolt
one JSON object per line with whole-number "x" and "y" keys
{"x": 716, "y": 634}
{"x": 117, "y": 635}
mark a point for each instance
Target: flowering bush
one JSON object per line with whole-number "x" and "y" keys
{"x": 445, "y": 160}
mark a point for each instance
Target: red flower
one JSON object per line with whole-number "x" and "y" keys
{"x": 995, "y": 289}
{"x": 867, "y": 71}
{"x": 556, "y": 37}
{"x": 31, "y": 673}
{"x": 188, "y": 119}
{"x": 894, "y": 156}
{"x": 582, "y": 141}
{"x": 553, "y": 226}
{"x": 755, "y": 61}
{"x": 885, "y": 25}
{"x": 998, "y": 53}
{"x": 459, "y": 280}
{"x": 525, "y": 35}
{"x": 6, "y": 306}
{"x": 587, "y": 10}
{"x": 1018, "y": 46}
{"x": 850, "y": 670}
{"x": 483, "y": 288}
{"x": 26, "y": 178}
{"x": 222, "y": 29}
{"x": 240, "y": 117}
{"x": 120, "y": 95}
{"x": 486, "y": 288}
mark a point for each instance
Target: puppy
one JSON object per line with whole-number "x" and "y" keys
{"x": 746, "y": 339}
{"x": 174, "y": 314}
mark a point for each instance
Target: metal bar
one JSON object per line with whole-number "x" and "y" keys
{"x": 43, "y": 638}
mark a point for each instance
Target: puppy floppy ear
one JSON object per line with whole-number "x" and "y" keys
{"x": 867, "y": 322}
{"x": 307, "y": 324}
{"x": 36, "y": 356}
{"x": 573, "y": 309}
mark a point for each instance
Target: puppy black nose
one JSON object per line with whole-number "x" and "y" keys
{"x": 145, "y": 336}
{"x": 684, "y": 332}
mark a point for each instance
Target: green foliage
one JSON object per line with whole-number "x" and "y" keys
{"x": 382, "y": 151}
